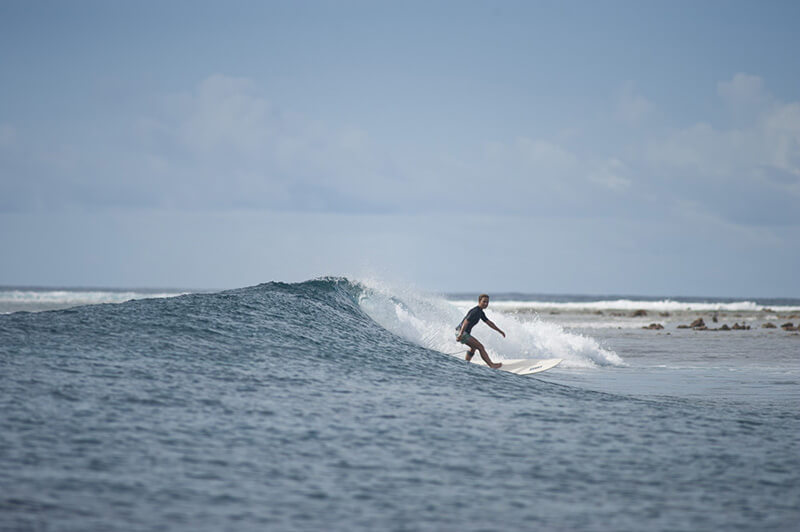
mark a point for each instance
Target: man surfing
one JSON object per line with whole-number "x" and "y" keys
{"x": 465, "y": 328}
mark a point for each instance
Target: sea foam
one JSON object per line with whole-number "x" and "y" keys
{"x": 430, "y": 321}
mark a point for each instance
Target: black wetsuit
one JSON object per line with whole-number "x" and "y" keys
{"x": 472, "y": 318}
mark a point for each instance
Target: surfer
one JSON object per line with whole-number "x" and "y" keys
{"x": 465, "y": 328}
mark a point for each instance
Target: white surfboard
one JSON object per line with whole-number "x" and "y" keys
{"x": 524, "y": 366}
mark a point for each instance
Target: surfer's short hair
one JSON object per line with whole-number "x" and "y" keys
{"x": 482, "y": 296}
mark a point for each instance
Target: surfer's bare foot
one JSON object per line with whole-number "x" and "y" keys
{"x": 496, "y": 365}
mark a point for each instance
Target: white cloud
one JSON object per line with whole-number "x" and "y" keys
{"x": 225, "y": 145}
{"x": 233, "y": 145}
{"x": 524, "y": 175}
{"x": 611, "y": 174}
{"x": 770, "y": 139}
{"x": 749, "y": 172}
{"x": 529, "y": 176}
{"x": 544, "y": 155}
{"x": 632, "y": 107}
{"x": 781, "y": 128}
{"x": 225, "y": 112}
{"x": 743, "y": 91}
{"x": 710, "y": 225}
{"x": 541, "y": 160}
{"x": 699, "y": 147}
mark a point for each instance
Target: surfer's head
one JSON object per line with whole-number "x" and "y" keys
{"x": 483, "y": 300}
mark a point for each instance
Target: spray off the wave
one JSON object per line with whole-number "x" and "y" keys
{"x": 429, "y": 321}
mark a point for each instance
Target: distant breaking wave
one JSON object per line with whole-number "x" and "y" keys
{"x": 664, "y": 305}
{"x": 13, "y": 300}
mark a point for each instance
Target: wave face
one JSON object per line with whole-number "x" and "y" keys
{"x": 305, "y": 329}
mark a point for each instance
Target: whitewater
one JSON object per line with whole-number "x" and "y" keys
{"x": 340, "y": 404}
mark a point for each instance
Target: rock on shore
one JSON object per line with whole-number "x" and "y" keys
{"x": 700, "y": 325}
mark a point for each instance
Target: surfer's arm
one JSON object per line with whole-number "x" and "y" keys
{"x": 461, "y": 331}
{"x": 491, "y": 324}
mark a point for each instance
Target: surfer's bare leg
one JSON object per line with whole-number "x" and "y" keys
{"x": 470, "y": 353}
{"x": 475, "y": 344}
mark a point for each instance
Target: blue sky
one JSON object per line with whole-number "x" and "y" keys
{"x": 645, "y": 148}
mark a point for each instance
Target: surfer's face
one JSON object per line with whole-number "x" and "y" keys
{"x": 483, "y": 302}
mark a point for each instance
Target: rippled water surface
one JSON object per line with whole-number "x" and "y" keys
{"x": 311, "y": 407}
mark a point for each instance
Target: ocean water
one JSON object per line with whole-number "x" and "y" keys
{"x": 337, "y": 404}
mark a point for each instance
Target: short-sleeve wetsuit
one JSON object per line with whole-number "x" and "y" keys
{"x": 472, "y": 318}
